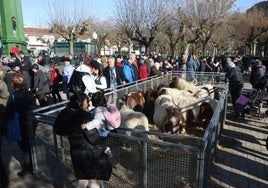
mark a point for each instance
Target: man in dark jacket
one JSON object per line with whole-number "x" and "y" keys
{"x": 113, "y": 74}
{"x": 41, "y": 85}
{"x": 257, "y": 76}
{"x": 236, "y": 82}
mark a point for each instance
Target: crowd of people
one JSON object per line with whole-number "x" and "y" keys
{"x": 81, "y": 78}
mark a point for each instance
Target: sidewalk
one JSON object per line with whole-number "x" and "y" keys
{"x": 241, "y": 158}
{"x": 11, "y": 157}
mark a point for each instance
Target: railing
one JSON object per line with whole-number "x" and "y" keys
{"x": 141, "y": 159}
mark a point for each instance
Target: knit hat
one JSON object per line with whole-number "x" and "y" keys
{"x": 113, "y": 116}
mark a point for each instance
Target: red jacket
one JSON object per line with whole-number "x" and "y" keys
{"x": 55, "y": 78}
{"x": 143, "y": 72}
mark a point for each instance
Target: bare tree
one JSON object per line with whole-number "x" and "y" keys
{"x": 250, "y": 28}
{"x": 202, "y": 17}
{"x": 221, "y": 40}
{"x": 118, "y": 38}
{"x": 140, "y": 20}
{"x": 102, "y": 28}
{"x": 70, "y": 22}
{"x": 173, "y": 26}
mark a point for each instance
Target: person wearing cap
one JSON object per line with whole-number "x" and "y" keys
{"x": 14, "y": 50}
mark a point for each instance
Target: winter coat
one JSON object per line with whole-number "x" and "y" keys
{"x": 4, "y": 94}
{"x": 191, "y": 67}
{"x": 143, "y": 72}
{"x": 257, "y": 73}
{"x": 155, "y": 72}
{"x": 55, "y": 78}
{"x": 202, "y": 66}
{"x": 235, "y": 78}
{"x": 26, "y": 71}
{"x": 120, "y": 78}
{"x": 24, "y": 101}
{"x": 130, "y": 72}
{"x": 8, "y": 76}
{"x": 88, "y": 159}
{"x": 41, "y": 82}
{"x": 82, "y": 81}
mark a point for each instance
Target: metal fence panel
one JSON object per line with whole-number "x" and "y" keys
{"x": 152, "y": 160}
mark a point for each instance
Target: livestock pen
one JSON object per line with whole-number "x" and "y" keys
{"x": 145, "y": 159}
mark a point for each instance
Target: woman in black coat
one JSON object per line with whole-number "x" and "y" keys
{"x": 88, "y": 157}
{"x": 24, "y": 102}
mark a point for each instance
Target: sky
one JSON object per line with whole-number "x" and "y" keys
{"x": 35, "y": 11}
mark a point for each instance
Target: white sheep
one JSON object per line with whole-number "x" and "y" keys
{"x": 133, "y": 120}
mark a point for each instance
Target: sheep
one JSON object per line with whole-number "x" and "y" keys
{"x": 167, "y": 116}
{"x": 133, "y": 120}
{"x": 135, "y": 100}
{"x": 198, "y": 91}
{"x": 193, "y": 109}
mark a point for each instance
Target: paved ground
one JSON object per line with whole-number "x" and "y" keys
{"x": 241, "y": 158}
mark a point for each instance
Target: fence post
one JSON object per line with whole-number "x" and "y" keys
{"x": 31, "y": 133}
{"x": 145, "y": 171}
{"x": 58, "y": 181}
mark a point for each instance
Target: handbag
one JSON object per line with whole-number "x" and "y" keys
{"x": 93, "y": 136}
{"x": 13, "y": 126}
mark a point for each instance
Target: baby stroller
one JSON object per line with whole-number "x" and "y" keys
{"x": 250, "y": 103}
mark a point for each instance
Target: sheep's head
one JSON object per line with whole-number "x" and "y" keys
{"x": 175, "y": 120}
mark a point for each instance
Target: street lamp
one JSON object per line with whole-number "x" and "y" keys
{"x": 94, "y": 35}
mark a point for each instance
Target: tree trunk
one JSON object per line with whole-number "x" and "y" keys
{"x": 172, "y": 50}
{"x": 71, "y": 47}
{"x": 186, "y": 51}
{"x": 147, "y": 50}
{"x": 203, "y": 49}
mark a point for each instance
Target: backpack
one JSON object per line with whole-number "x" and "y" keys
{"x": 76, "y": 84}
